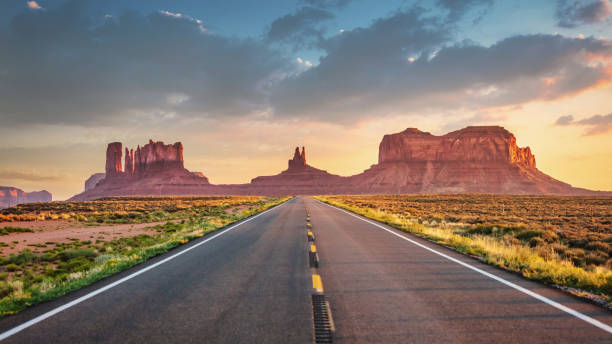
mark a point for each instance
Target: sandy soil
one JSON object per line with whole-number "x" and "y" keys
{"x": 62, "y": 231}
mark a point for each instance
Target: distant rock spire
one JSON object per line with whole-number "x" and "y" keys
{"x": 299, "y": 159}
{"x": 129, "y": 161}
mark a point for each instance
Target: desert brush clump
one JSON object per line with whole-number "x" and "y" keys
{"x": 115, "y": 210}
{"x": 28, "y": 277}
{"x": 518, "y": 233}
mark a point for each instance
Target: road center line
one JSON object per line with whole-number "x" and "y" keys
{"x": 537, "y": 296}
{"x": 75, "y": 302}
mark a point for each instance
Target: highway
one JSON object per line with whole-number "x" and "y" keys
{"x": 251, "y": 283}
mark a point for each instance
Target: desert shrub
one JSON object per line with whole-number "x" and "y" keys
{"x": 11, "y": 229}
{"x": 529, "y": 234}
{"x": 76, "y": 264}
{"x": 11, "y": 267}
{"x": 22, "y": 258}
{"x": 77, "y": 253}
{"x": 596, "y": 258}
{"x": 169, "y": 227}
{"x": 598, "y": 246}
{"x": 536, "y": 241}
{"x": 558, "y": 248}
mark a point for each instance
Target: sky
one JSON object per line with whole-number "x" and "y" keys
{"x": 241, "y": 83}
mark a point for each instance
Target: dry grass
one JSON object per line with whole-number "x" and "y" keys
{"x": 526, "y": 238}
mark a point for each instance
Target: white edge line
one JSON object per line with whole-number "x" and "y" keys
{"x": 54, "y": 311}
{"x": 544, "y": 299}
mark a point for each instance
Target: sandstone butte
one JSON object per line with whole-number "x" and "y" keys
{"x": 10, "y": 196}
{"x": 484, "y": 159}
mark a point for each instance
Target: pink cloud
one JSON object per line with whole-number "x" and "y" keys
{"x": 34, "y": 5}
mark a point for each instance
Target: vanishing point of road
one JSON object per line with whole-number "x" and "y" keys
{"x": 253, "y": 283}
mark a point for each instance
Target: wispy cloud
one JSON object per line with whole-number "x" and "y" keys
{"x": 572, "y": 13}
{"x": 33, "y": 5}
{"x": 31, "y": 175}
{"x": 595, "y": 125}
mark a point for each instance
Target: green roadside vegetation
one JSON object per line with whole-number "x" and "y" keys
{"x": 28, "y": 278}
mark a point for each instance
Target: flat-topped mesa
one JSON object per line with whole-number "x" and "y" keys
{"x": 299, "y": 159}
{"x": 113, "y": 159}
{"x": 157, "y": 156}
{"x": 478, "y": 143}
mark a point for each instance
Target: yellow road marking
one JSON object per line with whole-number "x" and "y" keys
{"x": 317, "y": 284}
{"x": 313, "y": 248}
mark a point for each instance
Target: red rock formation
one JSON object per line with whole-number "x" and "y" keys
{"x": 113, "y": 159}
{"x": 473, "y": 159}
{"x": 469, "y": 144}
{"x": 10, "y": 196}
{"x": 156, "y": 156}
{"x": 299, "y": 159}
{"x": 153, "y": 169}
{"x": 299, "y": 177}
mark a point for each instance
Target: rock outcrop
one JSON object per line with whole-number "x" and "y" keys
{"x": 10, "y": 196}
{"x": 153, "y": 169}
{"x": 484, "y": 144}
{"x": 155, "y": 157}
{"x": 473, "y": 159}
{"x": 470, "y": 160}
{"x": 129, "y": 162}
{"x": 113, "y": 159}
{"x": 299, "y": 177}
{"x": 93, "y": 180}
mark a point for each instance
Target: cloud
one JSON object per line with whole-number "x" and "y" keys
{"x": 565, "y": 120}
{"x": 572, "y": 13}
{"x": 327, "y": 3}
{"x": 33, "y": 5}
{"x": 369, "y": 72}
{"x": 33, "y": 176}
{"x": 458, "y": 8}
{"x": 595, "y": 125}
{"x": 58, "y": 67}
{"x": 300, "y": 27}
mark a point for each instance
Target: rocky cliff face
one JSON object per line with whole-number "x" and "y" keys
{"x": 151, "y": 159}
{"x": 113, "y": 159}
{"x": 299, "y": 159}
{"x": 10, "y": 196}
{"x": 93, "y": 180}
{"x": 157, "y": 156}
{"x": 473, "y": 144}
{"x": 473, "y": 159}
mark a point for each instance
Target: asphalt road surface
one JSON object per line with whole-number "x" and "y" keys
{"x": 252, "y": 284}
